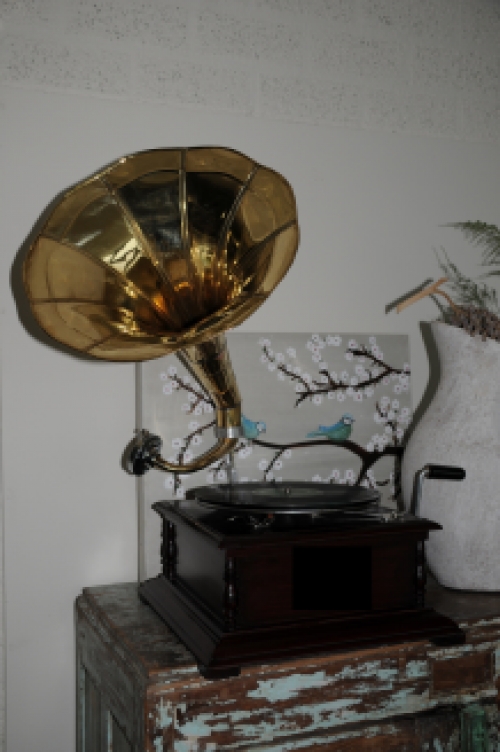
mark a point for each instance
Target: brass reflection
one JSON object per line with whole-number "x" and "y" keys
{"x": 161, "y": 252}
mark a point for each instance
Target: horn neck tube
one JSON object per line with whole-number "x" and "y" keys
{"x": 210, "y": 365}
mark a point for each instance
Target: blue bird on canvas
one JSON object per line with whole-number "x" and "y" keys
{"x": 252, "y": 429}
{"x": 339, "y": 431}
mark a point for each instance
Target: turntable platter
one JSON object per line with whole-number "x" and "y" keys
{"x": 285, "y": 497}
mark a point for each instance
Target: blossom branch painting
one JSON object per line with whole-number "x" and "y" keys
{"x": 329, "y": 408}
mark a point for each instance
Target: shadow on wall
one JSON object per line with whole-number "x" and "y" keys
{"x": 434, "y": 376}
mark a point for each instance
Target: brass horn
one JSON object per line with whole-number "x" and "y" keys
{"x": 160, "y": 252}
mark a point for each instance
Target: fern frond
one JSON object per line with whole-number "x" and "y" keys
{"x": 482, "y": 234}
{"x": 465, "y": 291}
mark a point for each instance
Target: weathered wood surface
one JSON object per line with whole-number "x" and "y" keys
{"x": 351, "y": 701}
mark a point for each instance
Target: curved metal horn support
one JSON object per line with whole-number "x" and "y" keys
{"x": 210, "y": 365}
{"x": 161, "y": 252}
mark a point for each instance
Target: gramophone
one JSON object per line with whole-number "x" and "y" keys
{"x": 163, "y": 251}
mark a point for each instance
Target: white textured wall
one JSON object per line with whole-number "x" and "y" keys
{"x": 384, "y": 116}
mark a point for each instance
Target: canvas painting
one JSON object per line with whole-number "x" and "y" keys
{"x": 328, "y": 408}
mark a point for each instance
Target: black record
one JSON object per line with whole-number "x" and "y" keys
{"x": 284, "y": 496}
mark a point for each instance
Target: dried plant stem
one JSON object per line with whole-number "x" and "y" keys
{"x": 431, "y": 290}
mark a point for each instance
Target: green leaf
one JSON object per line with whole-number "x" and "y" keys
{"x": 482, "y": 234}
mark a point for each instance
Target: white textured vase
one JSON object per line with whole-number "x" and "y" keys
{"x": 461, "y": 427}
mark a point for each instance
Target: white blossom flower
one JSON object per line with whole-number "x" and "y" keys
{"x": 269, "y": 476}
{"x": 164, "y": 376}
{"x": 349, "y": 391}
{"x": 208, "y": 408}
{"x": 399, "y": 433}
{"x": 278, "y": 465}
{"x": 384, "y": 401}
{"x": 316, "y": 479}
{"x": 264, "y": 342}
{"x": 372, "y": 340}
{"x": 198, "y": 410}
{"x": 271, "y": 366}
{"x": 335, "y": 341}
{"x": 398, "y": 389}
{"x": 287, "y": 454}
{"x": 270, "y": 352}
{"x": 310, "y": 345}
{"x": 354, "y": 381}
{"x": 369, "y": 391}
{"x": 405, "y": 412}
{"x": 406, "y": 367}
{"x": 323, "y": 378}
{"x": 349, "y": 474}
{"x": 370, "y": 447}
{"x": 291, "y": 352}
{"x": 331, "y": 395}
{"x": 352, "y": 344}
{"x": 358, "y": 397}
{"x": 316, "y": 358}
{"x": 297, "y": 370}
{"x": 360, "y": 370}
{"x": 192, "y": 397}
{"x": 262, "y": 464}
{"x": 281, "y": 375}
{"x": 263, "y": 358}
{"x": 388, "y": 430}
{"x": 395, "y": 404}
{"x": 307, "y": 377}
{"x": 377, "y": 418}
{"x": 315, "y": 338}
{"x": 167, "y": 389}
{"x": 177, "y": 443}
{"x": 345, "y": 377}
{"x": 193, "y": 425}
{"x": 317, "y": 399}
{"x": 181, "y": 493}
{"x": 280, "y": 358}
{"x": 197, "y": 440}
{"x": 299, "y": 388}
{"x": 386, "y": 381}
{"x": 169, "y": 482}
{"x": 340, "y": 396}
{"x": 221, "y": 475}
{"x": 172, "y": 370}
{"x": 333, "y": 376}
{"x": 391, "y": 415}
{"x": 349, "y": 355}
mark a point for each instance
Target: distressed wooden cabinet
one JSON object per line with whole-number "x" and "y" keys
{"x": 140, "y": 690}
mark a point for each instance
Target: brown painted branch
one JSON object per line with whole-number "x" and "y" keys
{"x": 368, "y": 459}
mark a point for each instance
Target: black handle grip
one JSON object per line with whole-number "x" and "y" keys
{"x": 445, "y": 472}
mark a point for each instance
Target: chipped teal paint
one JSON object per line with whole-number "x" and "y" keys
{"x": 164, "y": 714}
{"x": 417, "y": 669}
{"x": 274, "y": 690}
{"x": 438, "y": 747}
{"x": 158, "y": 743}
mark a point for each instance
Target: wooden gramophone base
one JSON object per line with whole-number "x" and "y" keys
{"x": 222, "y": 652}
{"x": 236, "y": 594}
